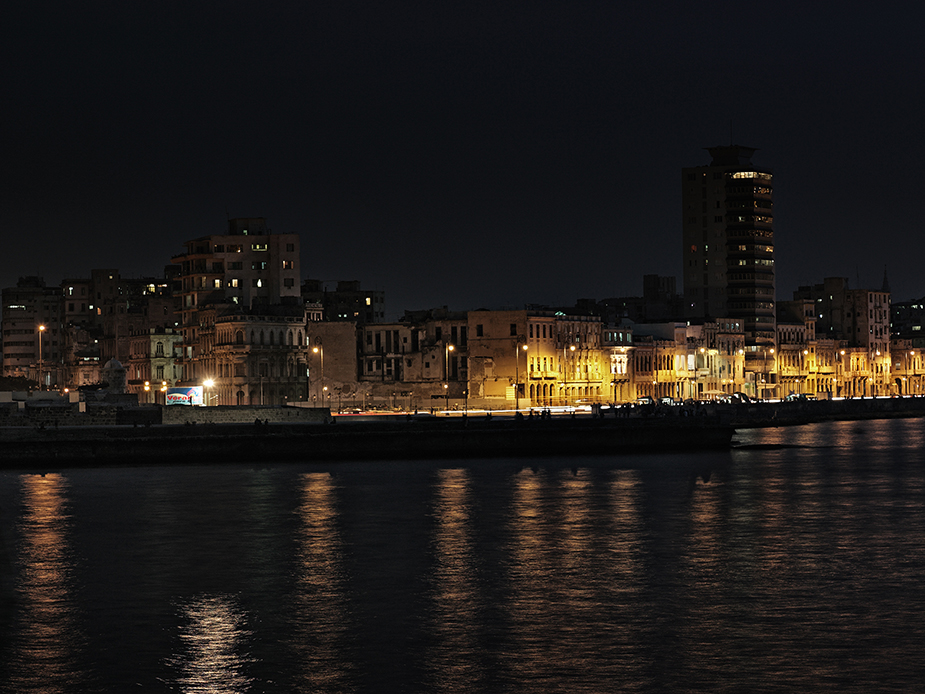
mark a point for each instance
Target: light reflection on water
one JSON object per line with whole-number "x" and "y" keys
{"x": 47, "y": 642}
{"x": 456, "y": 602}
{"x": 319, "y": 603}
{"x": 792, "y": 563}
{"x": 213, "y": 656}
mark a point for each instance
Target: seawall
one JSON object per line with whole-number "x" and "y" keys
{"x": 434, "y": 438}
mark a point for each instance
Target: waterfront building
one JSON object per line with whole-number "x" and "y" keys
{"x": 253, "y": 357}
{"x": 249, "y": 267}
{"x": 534, "y": 358}
{"x": 419, "y": 362}
{"x": 728, "y": 248}
{"x": 617, "y": 349}
{"x": 860, "y": 319}
{"x": 716, "y": 360}
{"x": 333, "y": 365}
{"x": 152, "y": 365}
{"x": 908, "y": 369}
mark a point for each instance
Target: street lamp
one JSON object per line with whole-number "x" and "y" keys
{"x": 447, "y": 348}
{"x": 911, "y": 371}
{"x": 571, "y": 348}
{"x": 41, "y": 360}
{"x": 319, "y": 350}
{"x": 804, "y": 367}
{"x": 208, "y": 383}
{"x": 517, "y": 349}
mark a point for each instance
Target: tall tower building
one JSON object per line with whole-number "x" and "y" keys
{"x": 729, "y": 245}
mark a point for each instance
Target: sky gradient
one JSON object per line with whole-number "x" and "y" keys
{"x": 467, "y": 155}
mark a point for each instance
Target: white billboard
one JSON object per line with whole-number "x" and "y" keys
{"x": 189, "y": 395}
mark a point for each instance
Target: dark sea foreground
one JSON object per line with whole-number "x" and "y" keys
{"x": 794, "y": 562}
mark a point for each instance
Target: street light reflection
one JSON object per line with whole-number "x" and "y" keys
{"x": 213, "y": 636}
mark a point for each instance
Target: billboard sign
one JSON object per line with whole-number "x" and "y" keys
{"x": 191, "y": 395}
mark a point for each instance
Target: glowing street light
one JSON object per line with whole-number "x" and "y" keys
{"x": 518, "y": 348}
{"x": 571, "y": 348}
{"x": 41, "y": 360}
{"x": 446, "y": 373}
{"x": 319, "y": 350}
{"x": 208, "y": 383}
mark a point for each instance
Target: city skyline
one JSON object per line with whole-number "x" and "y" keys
{"x": 484, "y": 157}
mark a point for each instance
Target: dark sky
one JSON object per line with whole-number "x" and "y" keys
{"x": 471, "y": 154}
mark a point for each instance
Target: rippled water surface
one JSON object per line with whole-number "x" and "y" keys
{"x": 796, "y": 562}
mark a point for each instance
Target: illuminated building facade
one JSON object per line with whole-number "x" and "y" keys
{"x": 728, "y": 247}
{"x": 536, "y": 358}
{"x": 617, "y": 352}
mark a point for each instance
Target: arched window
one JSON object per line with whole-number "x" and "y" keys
{"x": 159, "y": 349}
{"x": 239, "y": 337}
{"x": 261, "y": 337}
{"x": 300, "y": 338}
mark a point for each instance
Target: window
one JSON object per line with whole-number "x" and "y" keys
{"x": 235, "y": 266}
{"x": 478, "y": 330}
{"x": 288, "y": 282}
{"x": 287, "y": 265}
{"x": 290, "y": 247}
{"x": 258, "y": 265}
{"x": 217, "y": 284}
{"x": 513, "y": 329}
{"x": 219, "y": 248}
{"x": 233, "y": 282}
{"x": 258, "y": 246}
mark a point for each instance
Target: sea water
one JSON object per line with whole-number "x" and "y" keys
{"x": 794, "y": 562}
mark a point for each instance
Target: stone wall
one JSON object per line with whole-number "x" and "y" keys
{"x": 244, "y": 414}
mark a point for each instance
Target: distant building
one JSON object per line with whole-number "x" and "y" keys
{"x": 32, "y": 331}
{"x": 659, "y": 302}
{"x": 102, "y": 316}
{"x": 346, "y": 302}
{"x": 907, "y": 320}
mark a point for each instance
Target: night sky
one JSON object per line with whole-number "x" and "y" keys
{"x": 461, "y": 154}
